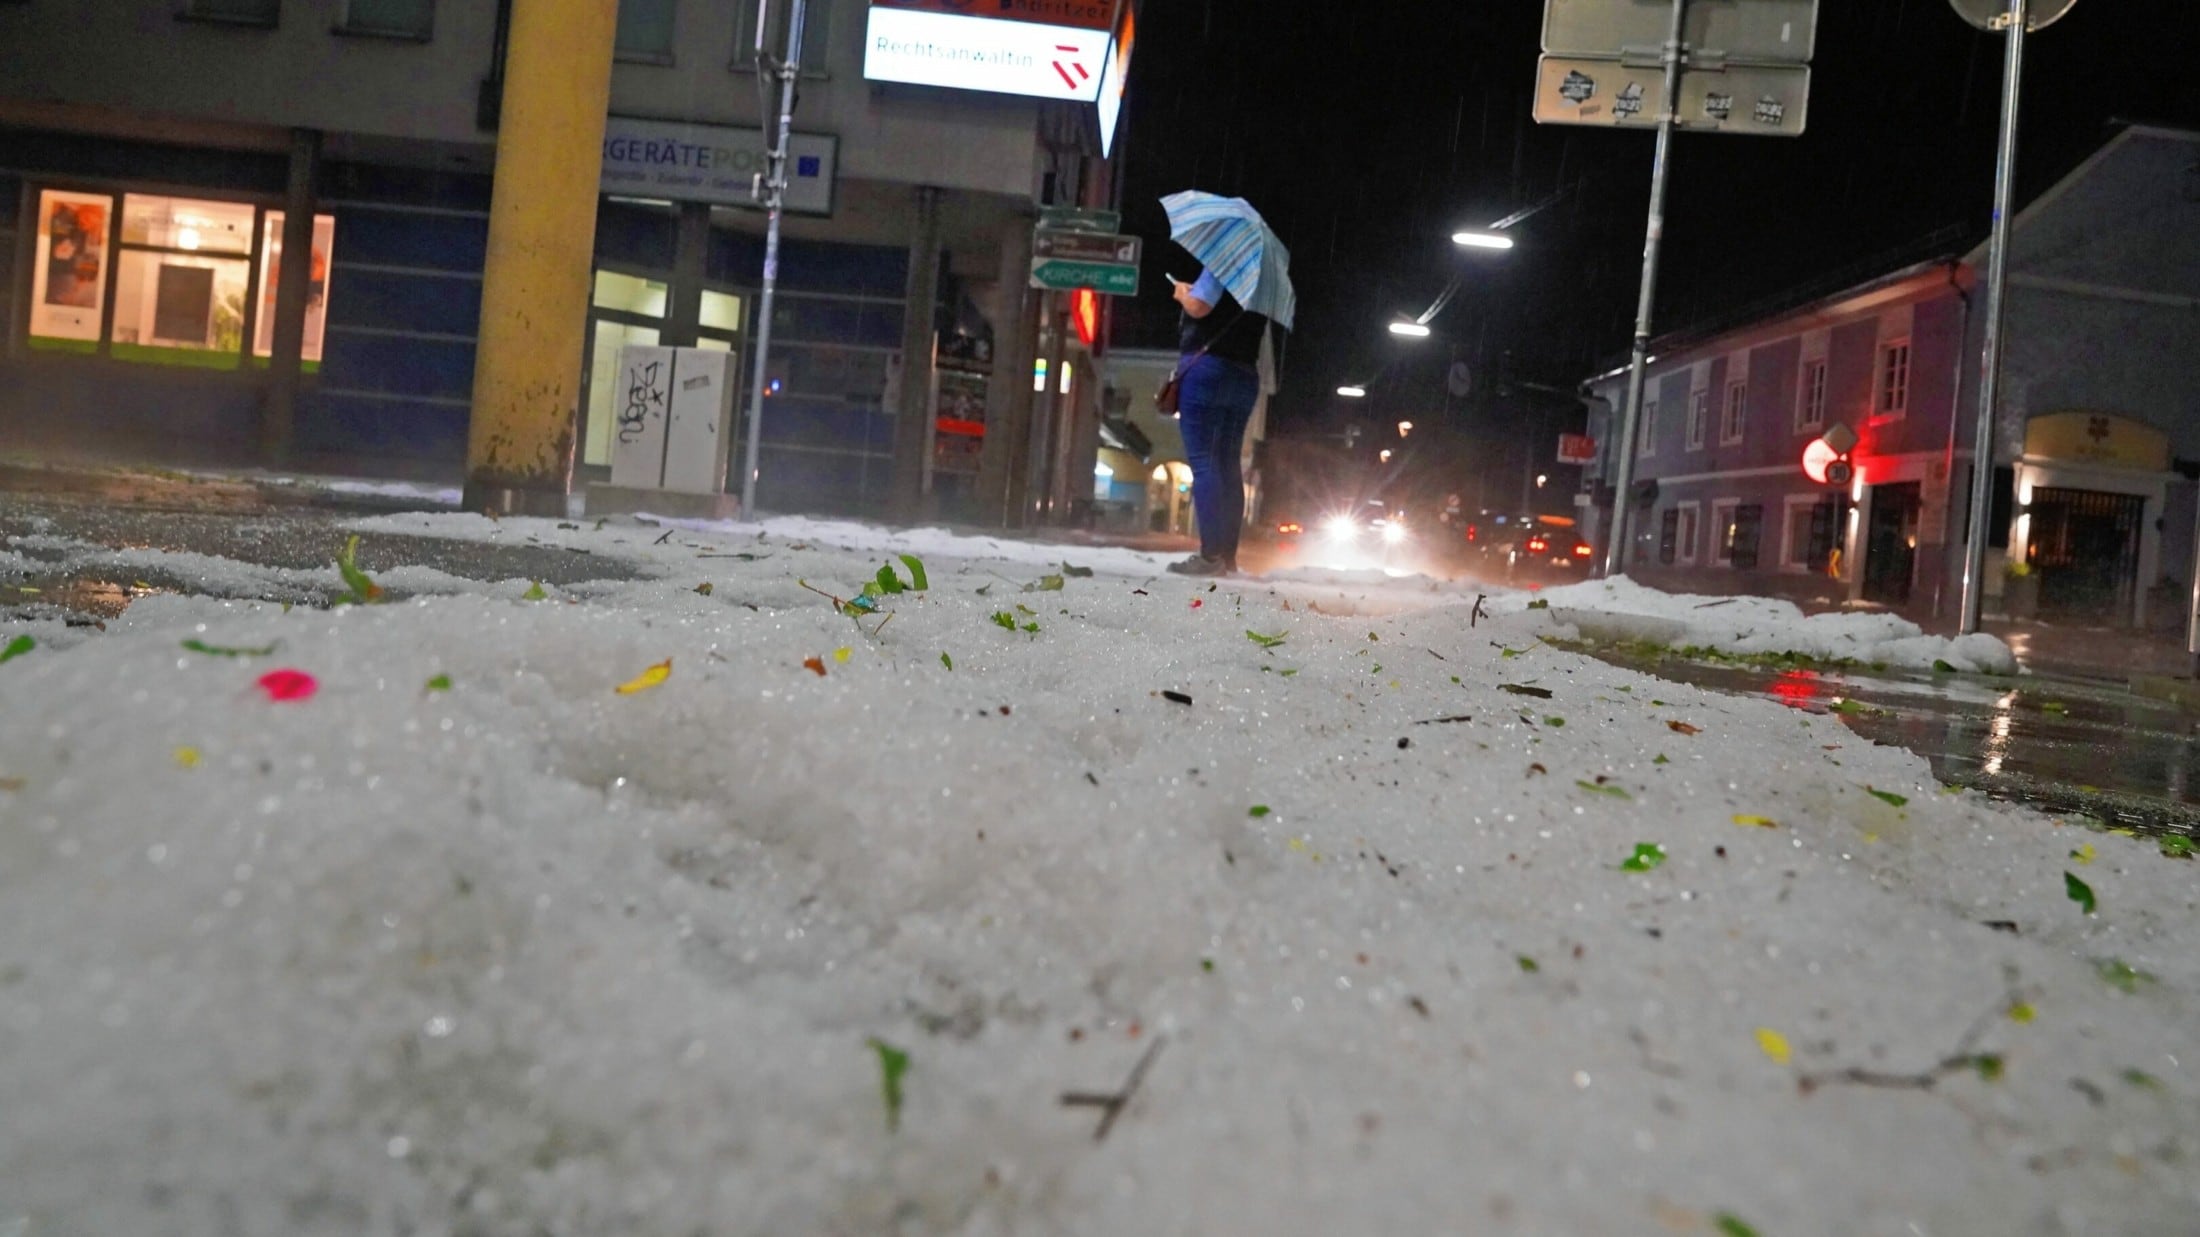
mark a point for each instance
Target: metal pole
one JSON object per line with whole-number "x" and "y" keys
{"x": 1639, "y": 360}
{"x": 1997, "y": 268}
{"x": 774, "y": 186}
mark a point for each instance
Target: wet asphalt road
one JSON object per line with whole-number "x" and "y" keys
{"x": 233, "y": 523}
{"x": 2077, "y": 747}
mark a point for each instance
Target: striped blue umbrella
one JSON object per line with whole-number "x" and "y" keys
{"x": 1234, "y": 243}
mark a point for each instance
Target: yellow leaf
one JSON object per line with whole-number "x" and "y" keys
{"x": 1757, "y": 822}
{"x": 1773, "y": 1044}
{"x": 647, "y": 679}
{"x": 843, "y": 654}
{"x": 187, "y": 757}
{"x": 2022, "y": 1012}
{"x": 2083, "y": 855}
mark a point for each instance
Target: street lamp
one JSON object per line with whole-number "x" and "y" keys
{"x": 1404, "y": 428}
{"x": 1481, "y": 240}
{"x": 1411, "y": 330}
{"x": 1353, "y": 392}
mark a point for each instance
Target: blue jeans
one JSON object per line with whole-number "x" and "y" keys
{"x": 1215, "y": 399}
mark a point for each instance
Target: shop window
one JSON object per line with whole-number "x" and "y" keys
{"x": 645, "y": 31}
{"x": 1669, "y": 534}
{"x": 69, "y": 270}
{"x": 816, "y": 26}
{"x": 236, "y": 12}
{"x": 720, "y": 311}
{"x": 1646, "y": 434}
{"x": 271, "y": 245}
{"x": 180, "y": 275}
{"x": 399, "y": 19}
{"x": 631, "y": 294}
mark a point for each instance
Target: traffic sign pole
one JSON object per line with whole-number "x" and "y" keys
{"x": 1638, "y": 361}
{"x": 1997, "y": 269}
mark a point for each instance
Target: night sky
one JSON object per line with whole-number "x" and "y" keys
{"x": 1367, "y": 133}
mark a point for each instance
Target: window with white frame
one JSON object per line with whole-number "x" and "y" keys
{"x": 1810, "y": 403}
{"x": 1646, "y": 434}
{"x": 1894, "y": 378}
{"x": 1722, "y": 531}
{"x": 1737, "y": 409}
{"x": 1807, "y": 529}
{"x": 1699, "y": 414}
{"x": 1685, "y": 535}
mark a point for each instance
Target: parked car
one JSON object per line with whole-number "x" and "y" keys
{"x": 1540, "y": 545}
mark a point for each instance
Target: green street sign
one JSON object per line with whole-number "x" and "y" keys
{"x": 1079, "y": 219}
{"x": 1064, "y": 274}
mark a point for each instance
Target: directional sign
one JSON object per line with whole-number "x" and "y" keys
{"x": 1764, "y": 100}
{"x": 1065, "y": 274}
{"x": 1086, "y": 246}
{"x": 1079, "y": 219}
{"x": 1752, "y": 31}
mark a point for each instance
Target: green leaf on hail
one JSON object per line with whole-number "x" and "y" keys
{"x": 2079, "y": 892}
{"x": 1647, "y": 856}
{"x": 892, "y": 1064}
{"x": 1887, "y": 797}
{"x": 917, "y": 578}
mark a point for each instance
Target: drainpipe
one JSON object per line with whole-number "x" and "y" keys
{"x": 1955, "y": 419}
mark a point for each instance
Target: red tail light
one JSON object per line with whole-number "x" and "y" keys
{"x": 1536, "y": 545}
{"x": 1472, "y": 532}
{"x": 1582, "y": 550}
{"x": 1289, "y": 526}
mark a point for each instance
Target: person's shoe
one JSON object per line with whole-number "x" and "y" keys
{"x": 1200, "y": 565}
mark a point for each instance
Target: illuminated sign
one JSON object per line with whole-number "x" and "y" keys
{"x": 712, "y": 163}
{"x": 1084, "y": 314}
{"x": 1114, "y": 79}
{"x": 925, "y": 48}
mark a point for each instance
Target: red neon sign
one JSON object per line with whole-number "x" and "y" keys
{"x": 1084, "y": 313}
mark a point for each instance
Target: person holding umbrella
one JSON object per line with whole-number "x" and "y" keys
{"x": 1243, "y": 287}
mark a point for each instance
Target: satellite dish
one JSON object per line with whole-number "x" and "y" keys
{"x": 1994, "y": 14}
{"x": 1459, "y": 380}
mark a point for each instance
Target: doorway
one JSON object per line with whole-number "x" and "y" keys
{"x": 1890, "y": 542}
{"x": 2085, "y": 546}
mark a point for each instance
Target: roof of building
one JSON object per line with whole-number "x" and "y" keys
{"x": 2055, "y": 237}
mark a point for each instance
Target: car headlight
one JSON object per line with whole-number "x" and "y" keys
{"x": 1394, "y": 532}
{"x": 1341, "y": 527}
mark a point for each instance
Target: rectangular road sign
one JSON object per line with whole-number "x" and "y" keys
{"x": 1758, "y": 100}
{"x": 1079, "y": 219}
{"x": 1064, "y": 274}
{"x": 1752, "y": 31}
{"x": 1086, "y": 246}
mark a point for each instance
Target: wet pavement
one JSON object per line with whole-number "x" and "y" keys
{"x": 65, "y": 535}
{"x": 2072, "y": 746}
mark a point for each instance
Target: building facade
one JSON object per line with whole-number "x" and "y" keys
{"x": 150, "y": 151}
{"x": 2091, "y": 512}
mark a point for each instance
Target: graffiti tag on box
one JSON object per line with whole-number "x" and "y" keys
{"x": 644, "y": 389}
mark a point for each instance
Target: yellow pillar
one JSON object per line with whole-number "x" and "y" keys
{"x": 542, "y": 233}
